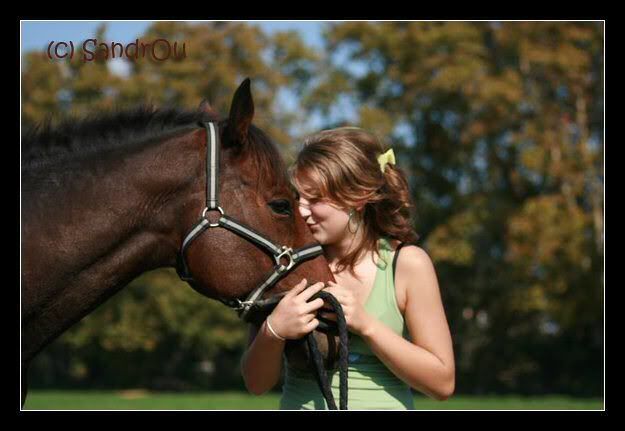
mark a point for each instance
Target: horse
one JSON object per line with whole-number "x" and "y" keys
{"x": 108, "y": 197}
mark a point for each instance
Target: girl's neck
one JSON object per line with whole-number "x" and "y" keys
{"x": 336, "y": 251}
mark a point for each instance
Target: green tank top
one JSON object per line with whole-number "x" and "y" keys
{"x": 371, "y": 385}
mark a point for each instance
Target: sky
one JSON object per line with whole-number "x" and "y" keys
{"x": 36, "y": 35}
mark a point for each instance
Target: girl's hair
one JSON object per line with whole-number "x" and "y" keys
{"x": 340, "y": 166}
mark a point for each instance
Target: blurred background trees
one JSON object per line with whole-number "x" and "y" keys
{"x": 499, "y": 127}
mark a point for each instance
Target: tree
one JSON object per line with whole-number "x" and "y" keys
{"x": 499, "y": 127}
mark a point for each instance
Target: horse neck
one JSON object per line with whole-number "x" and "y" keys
{"x": 88, "y": 233}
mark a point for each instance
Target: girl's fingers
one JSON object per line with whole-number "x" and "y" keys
{"x": 308, "y": 293}
{"x": 313, "y": 305}
{"x": 299, "y": 287}
{"x": 311, "y": 325}
{"x": 337, "y": 295}
{"x": 309, "y": 317}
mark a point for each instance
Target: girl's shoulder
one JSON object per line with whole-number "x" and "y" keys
{"x": 409, "y": 265}
{"x": 413, "y": 258}
{"x": 411, "y": 250}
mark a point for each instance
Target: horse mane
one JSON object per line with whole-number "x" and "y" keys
{"x": 75, "y": 138}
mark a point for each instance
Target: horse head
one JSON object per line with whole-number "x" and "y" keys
{"x": 253, "y": 188}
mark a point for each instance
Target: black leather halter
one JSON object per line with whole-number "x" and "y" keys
{"x": 293, "y": 257}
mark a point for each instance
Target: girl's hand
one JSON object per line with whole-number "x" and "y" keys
{"x": 294, "y": 317}
{"x": 355, "y": 315}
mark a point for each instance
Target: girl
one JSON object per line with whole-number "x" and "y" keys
{"x": 357, "y": 205}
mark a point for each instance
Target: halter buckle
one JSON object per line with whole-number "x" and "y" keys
{"x": 212, "y": 209}
{"x": 287, "y": 251}
{"x": 242, "y": 306}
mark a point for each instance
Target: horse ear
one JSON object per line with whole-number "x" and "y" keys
{"x": 205, "y": 106}
{"x": 241, "y": 112}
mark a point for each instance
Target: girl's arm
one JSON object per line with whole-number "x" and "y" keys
{"x": 426, "y": 363}
{"x": 261, "y": 364}
{"x": 293, "y": 318}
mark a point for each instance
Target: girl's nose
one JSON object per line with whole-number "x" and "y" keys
{"x": 304, "y": 210}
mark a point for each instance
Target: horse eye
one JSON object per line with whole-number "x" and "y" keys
{"x": 281, "y": 206}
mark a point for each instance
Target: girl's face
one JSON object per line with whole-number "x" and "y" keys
{"x": 327, "y": 222}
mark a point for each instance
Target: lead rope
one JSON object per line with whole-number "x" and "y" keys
{"x": 317, "y": 357}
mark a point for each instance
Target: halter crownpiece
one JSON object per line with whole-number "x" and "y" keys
{"x": 293, "y": 257}
{"x": 386, "y": 158}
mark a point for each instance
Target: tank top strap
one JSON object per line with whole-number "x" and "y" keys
{"x": 383, "y": 300}
{"x": 399, "y": 246}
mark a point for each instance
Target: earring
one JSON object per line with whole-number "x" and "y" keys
{"x": 349, "y": 222}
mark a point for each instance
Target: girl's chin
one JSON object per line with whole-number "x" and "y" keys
{"x": 322, "y": 238}
{"x": 318, "y": 236}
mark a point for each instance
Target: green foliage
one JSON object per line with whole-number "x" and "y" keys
{"x": 504, "y": 155}
{"x": 42, "y": 82}
{"x": 499, "y": 127}
{"x": 157, "y": 332}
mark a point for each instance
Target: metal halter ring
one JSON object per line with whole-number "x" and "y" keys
{"x": 212, "y": 209}
{"x": 242, "y": 305}
{"x": 287, "y": 251}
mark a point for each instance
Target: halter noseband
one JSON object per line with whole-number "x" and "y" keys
{"x": 212, "y": 204}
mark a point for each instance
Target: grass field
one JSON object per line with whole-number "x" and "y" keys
{"x": 143, "y": 400}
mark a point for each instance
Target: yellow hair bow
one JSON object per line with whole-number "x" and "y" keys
{"x": 388, "y": 157}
